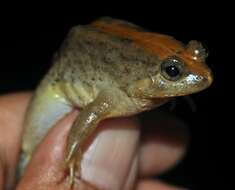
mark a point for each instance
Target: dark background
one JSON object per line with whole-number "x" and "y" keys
{"x": 30, "y": 36}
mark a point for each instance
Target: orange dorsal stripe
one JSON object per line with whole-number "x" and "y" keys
{"x": 161, "y": 45}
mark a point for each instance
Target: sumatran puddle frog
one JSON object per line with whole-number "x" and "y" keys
{"x": 110, "y": 68}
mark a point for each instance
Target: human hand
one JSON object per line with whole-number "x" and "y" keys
{"x": 115, "y": 159}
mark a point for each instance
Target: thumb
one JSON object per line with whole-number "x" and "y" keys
{"x": 107, "y": 161}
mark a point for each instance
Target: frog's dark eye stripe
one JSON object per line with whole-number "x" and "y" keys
{"x": 172, "y": 68}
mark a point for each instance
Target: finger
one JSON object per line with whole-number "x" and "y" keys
{"x": 164, "y": 143}
{"x": 155, "y": 185}
{"x": 12, "y": 110}
{"x": 44, "y": 168}
{"x": 106, "y": 162}
{"x": 113, "y": 153}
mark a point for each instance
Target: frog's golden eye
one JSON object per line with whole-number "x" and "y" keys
{"x": 172, "y": 68}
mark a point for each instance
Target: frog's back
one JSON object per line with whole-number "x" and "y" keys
{"x": 92, "y": 58}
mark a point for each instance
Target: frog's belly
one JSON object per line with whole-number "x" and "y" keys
{"x": 40, "y": 120}
{"x": 44, "y": 111}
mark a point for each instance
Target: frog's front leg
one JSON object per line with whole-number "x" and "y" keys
{"x": 83, "y": 126}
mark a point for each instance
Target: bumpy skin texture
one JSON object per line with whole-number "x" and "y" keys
{"x": 109, "y": 68}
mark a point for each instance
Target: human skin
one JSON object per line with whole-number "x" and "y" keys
{"x": 161, "y": 147}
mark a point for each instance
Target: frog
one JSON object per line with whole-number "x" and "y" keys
{"x": 110, "y": 68}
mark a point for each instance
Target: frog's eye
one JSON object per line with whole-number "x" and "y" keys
{"x": 172, "y": 69}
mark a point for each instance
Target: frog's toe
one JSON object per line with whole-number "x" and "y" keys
{"x": 73, "y": 165}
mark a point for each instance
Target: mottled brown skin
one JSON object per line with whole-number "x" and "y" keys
{"x": 109, "y": 68}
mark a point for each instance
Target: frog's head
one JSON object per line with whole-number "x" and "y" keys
{"x": 181, "y": 70}
{"x": 184, "y": 72}
{"x": 178, "y": 69}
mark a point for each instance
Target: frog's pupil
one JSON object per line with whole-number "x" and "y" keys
{"x": 172, "y": 71}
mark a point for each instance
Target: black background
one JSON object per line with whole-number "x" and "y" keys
{"x": 30, "y": 36}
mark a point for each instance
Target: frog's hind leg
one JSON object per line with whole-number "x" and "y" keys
{"x": 24, "y": 159}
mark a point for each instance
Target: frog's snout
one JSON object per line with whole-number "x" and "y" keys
{"x": 207, "y": 78}
{"x": 200, "y": 76}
